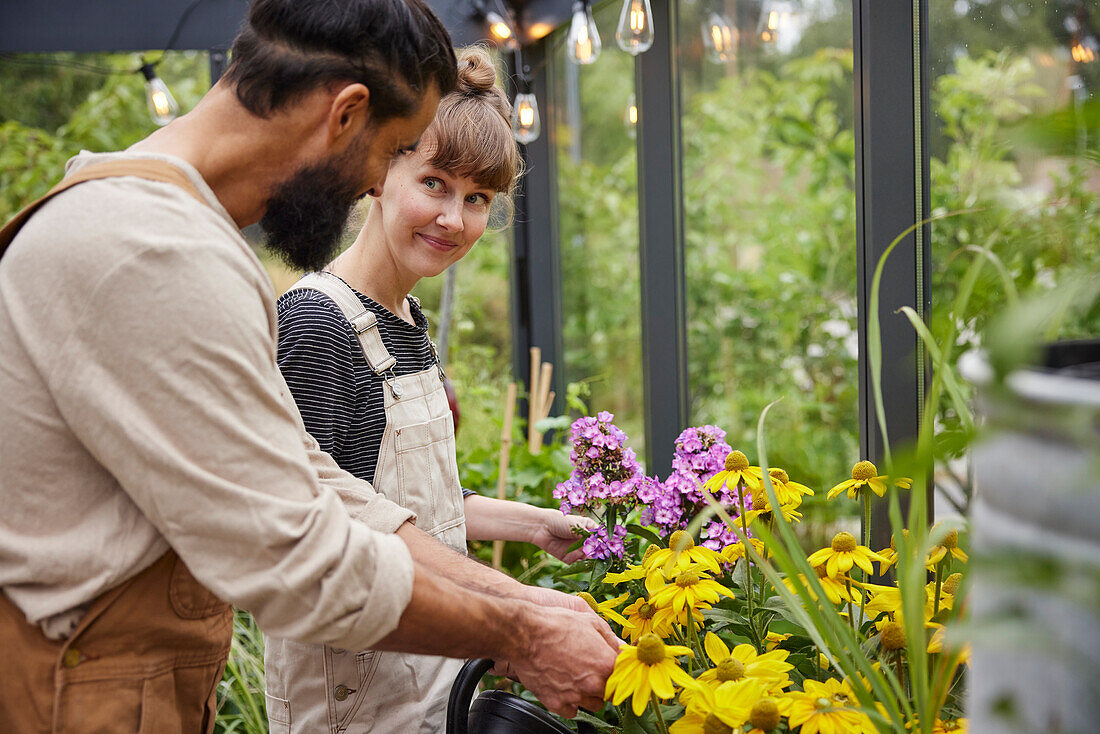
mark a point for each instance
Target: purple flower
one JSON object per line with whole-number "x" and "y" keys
{"x": 599, "y": 545}
{"x": 605, "y": 471}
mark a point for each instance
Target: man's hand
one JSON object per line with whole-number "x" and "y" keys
{"x": 566, "y": 659}
{"x": 555, "y": 534}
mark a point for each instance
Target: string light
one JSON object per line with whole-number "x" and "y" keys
{"x": 583, "y": 40}
{"x": 501, "y": 30}
{"x": 1084, "y": 50}
{"x": 163, "y": 107}
{"x": 525, "y": 118}
{"x": 769, "y": 30}
{"x": 635, "y": 32}
{"x": 720, "y": 38}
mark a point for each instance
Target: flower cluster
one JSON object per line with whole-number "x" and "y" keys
{"x": 702, "y": 655}
{"x": 605, "y": 470}
{"x": 700, "y": 454}
{"x": 600, "y": 544}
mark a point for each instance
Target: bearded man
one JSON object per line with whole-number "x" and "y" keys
{"x": 153, "y": 467}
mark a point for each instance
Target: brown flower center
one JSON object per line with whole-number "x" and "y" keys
{"x": 844, "y": 542}
{"x": 760, "y": 503}
{"x": 686, "y": 578}
{"x": 713, "y": 725}
{"x": 737, "y": 461}
{"x": 730, "y": 669}
{"x": 650, "y": 649}
{"x": 649, "y": 553}
{"x": 647, "y": 610}
{"x": 892, "y": 636}
{"x": 863, "y": 471}
{"x": 779, "y": 475}
{"x": 951, "y": 583}
{"x": 765, "y": 714}
{"x": 681, "y": 541}
{"x": 951, "y": 540}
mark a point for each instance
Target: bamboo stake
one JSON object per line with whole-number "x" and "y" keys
{"x": 533, "y": 393}
{"x": 505, "y": 453}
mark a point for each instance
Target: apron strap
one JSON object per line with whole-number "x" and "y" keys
{"x": 362, "y": 320}
{"x": 146, "y": 168}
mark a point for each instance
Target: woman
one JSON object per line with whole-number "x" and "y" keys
{"x": 354, "y": 348}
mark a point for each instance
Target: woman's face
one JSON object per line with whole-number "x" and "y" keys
{"x": 431, "y": 218}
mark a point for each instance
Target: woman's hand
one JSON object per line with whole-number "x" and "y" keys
{"x": 554, "y": 534}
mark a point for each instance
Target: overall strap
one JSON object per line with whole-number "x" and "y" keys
{"x": 147, "y": 168}
{"x": 362, "y": 320}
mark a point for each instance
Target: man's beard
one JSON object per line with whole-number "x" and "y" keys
{"x": 307, "y": 213}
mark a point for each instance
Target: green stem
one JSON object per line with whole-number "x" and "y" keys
{"x": 851, "y": 613}
{"x": 657, "y": 710}
{"x": 939, "y": 584}
{"x": 866, "y": 517}
{"x": 748, "y": 570}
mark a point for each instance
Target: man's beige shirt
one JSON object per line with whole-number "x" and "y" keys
{"x": 141, "y": 408}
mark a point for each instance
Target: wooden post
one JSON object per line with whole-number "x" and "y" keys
{"x": 502, "y": 475}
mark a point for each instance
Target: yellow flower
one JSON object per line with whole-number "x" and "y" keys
{"x": 824, "y": 707}
{"x": 743, "y": 662}
{"x": 648, "y": 668}
{"x": 936, "y": 644}
{"x": 732, "y": 552}
{"x": 680, "y": 555}
{"x": 835, "y": 588}
{"x": 737, "y": 470}
{"x": 606, "y": 609}
{"x": 957, "y": 726}
{"x": 632, "y": 573}
{"x": 762, "y": 509}
{"x": 688, "y": 590}
{"x": 786, "y": 491}
{"x": 843, "y": 554}
{"x": 643, "y": 618}
{"x": 890, "y": 554}
{"x": 720, "y": 709}
{"x": 774, "y": 639}
{"x": 949, "y": 544}
{"x": 865, "y": 474}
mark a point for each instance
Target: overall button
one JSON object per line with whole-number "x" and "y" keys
{"x": 340, "y": 693}
{"x": 71, "y": 658}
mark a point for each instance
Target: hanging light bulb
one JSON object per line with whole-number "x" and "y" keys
{"x": 635, "y": 32}
{"x": 525, "y": 118}
{"x": 720, "y": 38}
{"x": 583, "y": 40}
{"x": 630, "y": 119}
{"x": 501, "y": 30}
{"x": 163, "y": 107}
{"x": 1084, "y": 49}
{"x": 769, "y": 26}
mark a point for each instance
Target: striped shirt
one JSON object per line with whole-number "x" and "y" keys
{"x": 339, "y": 395}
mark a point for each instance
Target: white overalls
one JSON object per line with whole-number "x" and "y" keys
{"x": 313, "y": 689}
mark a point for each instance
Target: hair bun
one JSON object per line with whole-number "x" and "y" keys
{"x": 476, "y": 72}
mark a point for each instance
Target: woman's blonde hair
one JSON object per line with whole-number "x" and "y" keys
{"x": 471, "y": 134}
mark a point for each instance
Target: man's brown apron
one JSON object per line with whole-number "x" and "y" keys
{"x": 148, "y": 654}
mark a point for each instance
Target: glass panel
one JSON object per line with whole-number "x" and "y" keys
{"x": 598, "y": 209}
{"x": 1015, "y": 142}
{"x": 769, "y": 222}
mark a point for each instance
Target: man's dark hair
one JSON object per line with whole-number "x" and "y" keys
{"x": 396, "y": 48}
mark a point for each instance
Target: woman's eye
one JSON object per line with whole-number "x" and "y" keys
{"x": 481, "y": 199}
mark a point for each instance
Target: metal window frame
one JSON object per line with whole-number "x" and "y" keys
{"x": 892, "y": 194}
